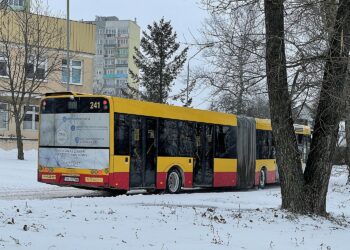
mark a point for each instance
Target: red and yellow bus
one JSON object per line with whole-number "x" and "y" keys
{"x": 103, "y": 142}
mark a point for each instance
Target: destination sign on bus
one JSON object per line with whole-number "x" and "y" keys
{"x": 77, "y": 105}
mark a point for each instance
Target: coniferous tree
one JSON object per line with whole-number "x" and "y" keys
{"x": 158, "y": 61}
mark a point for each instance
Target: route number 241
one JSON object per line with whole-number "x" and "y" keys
{"x": 95, "y": 105}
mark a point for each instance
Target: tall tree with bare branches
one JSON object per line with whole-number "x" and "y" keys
{"x": 301, "y": 56}
{"x": 235, "y": 66}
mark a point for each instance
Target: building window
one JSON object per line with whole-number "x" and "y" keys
{"x": 3, "y": 66}
{"x": 36, "y": 69}
{"x": 4, "y": 115}
{"x": 109, "y": 52}
{"x": 122, "y": 71}
{"x": 121, "y": 62}
{"x": 109, "y": 71}
{"x": 109, "y": 62}
{"x": 123, "y": 52}
{"x": 16, "y": 3}
{"x": 123, "y": 42}
{"x": 109, "y": 83}
{"x": 31, "y": 117}
{"x": 123, "y": 32}
{"x": 76, "y": 72}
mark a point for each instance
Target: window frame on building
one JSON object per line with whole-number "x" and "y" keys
{"x": 42, "y": 65}
{"x": 17, "y": 3}
{"x": 34, "y": 114}
{"x": 73, "y": 68}
{"x": 4, "y": 111}
{"x": 3, "y": 59}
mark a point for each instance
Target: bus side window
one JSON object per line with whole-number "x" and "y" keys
{"x": 186, "y": 140}
{"x": 225, "y": 142}
{"x": 198, "y": 129}
{"x": 262, "y": 144}
{"x": 300, "y": 138}
{"x": 271, "y": 146}
{"x": 121, "y": 134}
{"x": 168, "y": 137}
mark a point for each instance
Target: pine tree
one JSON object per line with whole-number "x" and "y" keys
{"x": 159, "y": 62}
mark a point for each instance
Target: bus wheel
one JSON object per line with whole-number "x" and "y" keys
{"x": 262, "y": 179}
{"x": 174, "y": 181}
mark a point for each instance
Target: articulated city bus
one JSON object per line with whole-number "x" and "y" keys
{"x": 103, "y": 142}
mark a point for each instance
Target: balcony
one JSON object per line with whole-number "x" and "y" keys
{"x": 112, "y": 76}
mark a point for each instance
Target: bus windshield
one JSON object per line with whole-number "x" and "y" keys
{"x": 74, "y": 133}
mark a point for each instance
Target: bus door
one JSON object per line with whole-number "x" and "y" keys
{"x": 203, "y": 169}
{"x": 143, "y": 152}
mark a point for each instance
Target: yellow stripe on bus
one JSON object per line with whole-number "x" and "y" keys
{"x": 263, "y": 124}
{"x": 269, "y": 164}
{"x": 165, "y": 163}
{"x": 121, "y": 164}
{"x": 225, "y": 165}
{"x": 135, "y": 107}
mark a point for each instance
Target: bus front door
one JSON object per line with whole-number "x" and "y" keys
{"x": 143, "y": 152}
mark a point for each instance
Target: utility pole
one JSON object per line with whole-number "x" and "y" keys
{"x": 68, "y": 48}
{"x": 188, "y": 67}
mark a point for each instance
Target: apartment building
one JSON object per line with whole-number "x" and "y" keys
{"x": 82, "y": 40}
{"x": 115, "y": 43}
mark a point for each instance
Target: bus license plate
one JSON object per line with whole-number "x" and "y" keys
{"x": 71, "y": 179}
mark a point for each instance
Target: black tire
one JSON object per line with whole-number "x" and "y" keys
{"x": 262, "y": 179}
{"x": 174, "y": 182}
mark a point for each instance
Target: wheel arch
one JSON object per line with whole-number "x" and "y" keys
{"x": 263, "y": 168}
{"x": 178, "y": 168}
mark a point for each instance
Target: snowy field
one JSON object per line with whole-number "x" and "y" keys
{"x": 40, "y": 216}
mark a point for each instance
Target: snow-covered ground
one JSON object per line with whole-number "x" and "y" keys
{"x": 193, "y": 220}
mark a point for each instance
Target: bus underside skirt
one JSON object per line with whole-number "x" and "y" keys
{"x": 225, "y": 179}
{"x": 119, "y": 180}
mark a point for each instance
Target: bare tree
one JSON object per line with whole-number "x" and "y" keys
{"x": 306, "y": 193}
{"x": 236, "y": 68}
{"x": 30, "y": 45}
{"x": 347, "y": 129}
{"x": 307, "y": 50}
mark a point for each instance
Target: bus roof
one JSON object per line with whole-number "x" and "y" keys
{"x": 128, "y": 106}
{"x": 136, "y": 107}
{"x": 265, "y": 124}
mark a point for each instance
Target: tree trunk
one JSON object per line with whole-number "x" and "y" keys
{"x": 287, "y": 155}
{"x": 347, "y": 136}
{"x": 20, "y": 151}
{"x": 241, "y": 83}
{"x": 329, "y": 113}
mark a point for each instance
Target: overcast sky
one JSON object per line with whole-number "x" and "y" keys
{"x": 186, "y": 16}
